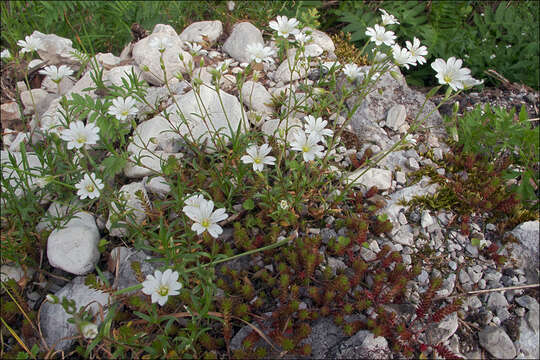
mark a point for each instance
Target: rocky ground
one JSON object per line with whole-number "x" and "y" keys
{"x": 499, "y": 318}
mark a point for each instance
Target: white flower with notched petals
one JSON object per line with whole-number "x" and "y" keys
{"x": 30, "y": 44}
{"x": 284, "y": 26}
{"x": 379, "y": 56}
{"x": 417, "y": 52}
{"x": 257, "y": 155}
{"x": 352, "y": 71}
{"x": 5, "y": 54}
{"x": 470, "y": 82}
{"x": 402, "y": 56}
{"x": 259, "y": 53}
{"x": 388, "y": 19}
{"x": 451, "y": 72}
{"x": 317, "y": 126}
{"x": 123, "y": 108}
{"x": 283, "y": 204}
{"x": 380, "y": 36}
{"x": 205, "y": 218}
{"x": 223, "y": 66}
{"x": 308, "y": 145}
{"x": 196, "y": 49}
{"x": 160, "y": 43}
{"x": 302, "y": 38}
{"x": 79, "y": 134}
{"x": 161, "y": 285}
{"x": 89, "y": 187}
{"x": 89, "y": 330}
{"x": 56, "y": 73}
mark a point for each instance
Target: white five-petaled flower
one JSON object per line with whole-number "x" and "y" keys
{"x": 388, "y": 19}
{"x": 258, "y": 156}
{"x": 204, "y": 217}
{"x": 451, "y": 72}
{"x": 259, "y": 53}
{"x": 196, "y": 49}
{"x": 89, "y": 187}
{"x": 402, "y": 56}
{"x": 160, "y": 43}
{"x": 193, "y": 201}
{"x": 302, "y": 38}
{"x": 5, "y": 54}
{"x": 56, "y": 73}
{"x": 123, "y": 108}
{"x": 317, "y": 126}
{"x": 308, "y": 145}
{"x": 30, "y": 44}
{"x": 284, "y": 26}
{"x": 89, "y": 330}
{"x": 79, "y": 135}
{"x": 352, "y": 71}
{"x": 380, "y": 36}
{"x": 283, "y": 204}
{"x": 161, "y": 285}
{"x": 417, "y": 52}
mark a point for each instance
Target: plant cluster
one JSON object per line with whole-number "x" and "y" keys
{"x": 271, "y": 188}
{"x": 500, "y": 35}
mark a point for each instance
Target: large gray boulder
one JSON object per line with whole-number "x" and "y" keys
{"x": 243, "y": 33}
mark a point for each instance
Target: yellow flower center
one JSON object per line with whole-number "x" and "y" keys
{"x": 81, "y": 139}
{"x": 205, "y": 223}
{"x": 305, "y": 148}
{"x": 125, "y": 113}
{"x": 163, "y": 290}
{"x": 90, "y": 188}
{"x": 447, "y": 79}
{"x": 257, "y": 160}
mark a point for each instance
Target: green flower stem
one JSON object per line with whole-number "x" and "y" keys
{"x": 213, "y": 263}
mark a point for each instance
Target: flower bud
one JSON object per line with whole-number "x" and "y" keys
{"x": 89, "y": 330}
{"x": 145, "y": 68}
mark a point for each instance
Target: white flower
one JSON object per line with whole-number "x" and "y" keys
{"x": 257, "y": 156}
{"x": 223, "y": 66}
{"x": 329, "y": 65}
{"x": 205, "y": 219}
{"x": 388, "y": 19}
{"x": 507, "y": 46}
{"x": 284, "y": 26}
{"x": 451, "y": 72}
{"x": 409, "y": 138}
{"x": 56, "y": 73}
{"x": 417, "y": 52}
{"x": 492, "y": 56}
{"x": 89, "y": 187}
{"x": 317, "y": 127}
{"x": 230, "y": 5}
{"x": 352, "y": 71}
{"x": 379, "y": 56}
{"x": 89, "y": 330}
{"x": 30, "y": 44}
{"x": 283, "y": 204}
{"x": 402, "y": 56}
{"x": 302, "y": 38}
{"x": 160, "y": 43}
{"x": 307, "y": 145}
{"x": 5, "y": 54}
{"x": 196, "y": 49}
{"x": 79, "y": 135}
{"x": 53, "y": 299}
{"x": 123, "y": 108}
{"x": 161, "y": 285}
{"x": 258, "y": 52}
{"x": 470, "y": 82}
{"x": 380, "y": 36}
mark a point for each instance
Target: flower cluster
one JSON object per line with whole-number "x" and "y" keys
{"x": 201, "y": 211}
{"x": 307, "y": 140}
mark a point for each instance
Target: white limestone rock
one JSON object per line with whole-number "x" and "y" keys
{"x": 115, "y": 75}
{"x": 9, "y": 174}
{"x": 270, "y": 128}
{"x": 396, "y": 117}
{"x": 243, "y": 33}
{"x": 283, "y": 72}
{"x": 497, "y": 342}
{"x": 256, "y": 97}
{"x": 74, "y": 248}
{"x": 380, "y": 178}
{"x": 10, "y": 111}
{"x": 165, "y": 29}
{"x": 56, "y": 50}
{"x": 211, "y": 30}
{"x": 108, "y": 60}
{"x": 158, "y": 186}
{"x": 322, "y": 39}
{"x": 146, "y": 55}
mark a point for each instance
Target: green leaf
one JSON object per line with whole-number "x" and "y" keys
{"x": 475, "y": 242}
{"x": 248, "y": 204}
{"x": 114, "y": 165}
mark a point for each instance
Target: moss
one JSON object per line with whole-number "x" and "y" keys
{"x": 347, "y": 51}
